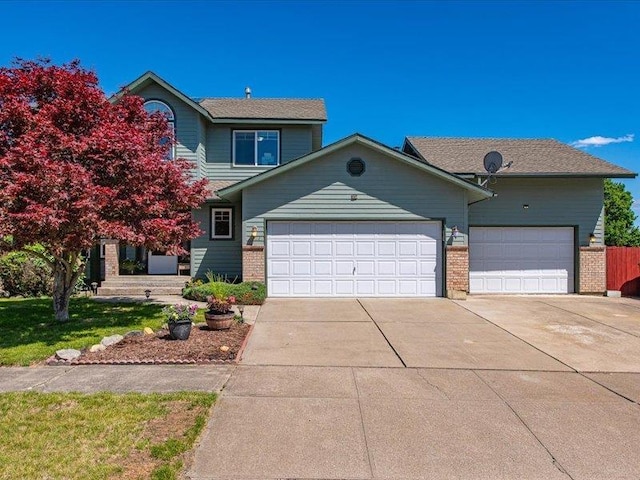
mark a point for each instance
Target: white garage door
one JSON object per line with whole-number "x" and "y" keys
{"x": 353, "y": 259}
{"x": 521, "y": 260}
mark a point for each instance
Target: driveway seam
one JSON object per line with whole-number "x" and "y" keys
{"x": 364, "y": 430}
{"x": 382, "y": 333}
{"x": 521, "y": 339}
{"x": 554, "y": 460}
{"x": 590, "y": 319}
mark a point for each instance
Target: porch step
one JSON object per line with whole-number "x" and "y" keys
{"x": 136, "y": 285}
{"x": 137, "y": 291}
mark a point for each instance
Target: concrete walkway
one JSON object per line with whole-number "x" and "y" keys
{"x": 116, "y": 378}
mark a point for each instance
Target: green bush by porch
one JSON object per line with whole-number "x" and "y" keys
{"x": 246, "y": 293}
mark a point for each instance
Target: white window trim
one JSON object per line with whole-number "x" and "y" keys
{"x": 171, "y": 120}
{"x": 255, "y": 148}
{"x": 213, "y": 224}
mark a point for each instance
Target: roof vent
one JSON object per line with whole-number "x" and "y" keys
{"x": 247, "y": 92}
{"x": 355, "y": 167}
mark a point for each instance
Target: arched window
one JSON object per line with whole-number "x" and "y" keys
{"x": 153, "y": 106}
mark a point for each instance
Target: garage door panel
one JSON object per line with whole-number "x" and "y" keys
{"x": 280, "y": 268}
{"x": 322, "y": 268}
{"x": 521, "y": 260}
{"x": 322, "y": 249}
{"x": 344, "y": 249}
{"x": 344, "y": 267}
{"x": 355, "y": 259}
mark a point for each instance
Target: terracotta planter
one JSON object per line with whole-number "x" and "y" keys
{"x": 219, "y": 321}
{"x": 180, "y": 330}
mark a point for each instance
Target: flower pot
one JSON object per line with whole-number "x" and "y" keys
{"x": 219, "y": 321}
{"x": 180, "y": 330}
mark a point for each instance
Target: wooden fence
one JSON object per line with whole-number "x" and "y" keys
{"x": 623, "y": 270}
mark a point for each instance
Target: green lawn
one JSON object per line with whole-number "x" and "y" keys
{"x": 100, "y": 436}
{"x": 30, "y": 333}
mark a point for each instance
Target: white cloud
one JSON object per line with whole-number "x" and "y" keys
{"x": 599, "y": 141}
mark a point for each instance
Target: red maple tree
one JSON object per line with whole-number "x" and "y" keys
{"x": 75, "y": 168}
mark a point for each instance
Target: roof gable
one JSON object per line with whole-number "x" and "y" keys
{"x": 478, "y": 192}
{"x": 531, "y": 157}
{"x": 149, "y": 77}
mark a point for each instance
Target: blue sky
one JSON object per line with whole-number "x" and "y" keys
{"x": 565, "y": 70}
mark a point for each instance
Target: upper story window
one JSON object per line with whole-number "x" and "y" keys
{"x": 256, "y": 147}
{"x": 153, "y": 106}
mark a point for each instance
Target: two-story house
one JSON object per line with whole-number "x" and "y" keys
{"x": 358, "y": 218}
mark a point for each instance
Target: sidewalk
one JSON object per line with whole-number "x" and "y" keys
{"x": 116, "y": 378}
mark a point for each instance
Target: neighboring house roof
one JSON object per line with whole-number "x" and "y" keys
{"x": 545, "y": 157}
{"x": 265, "y": 108}
{"x": 215, "y": 185}
{"x": 477, "y": 192}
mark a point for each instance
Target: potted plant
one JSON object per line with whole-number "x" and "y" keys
{"x": 179, "y": 319}
{"x": 129, "y": 266}
{"x": 219, "y": 315}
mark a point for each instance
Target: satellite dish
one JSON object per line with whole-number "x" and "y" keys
{"x": 492, "y": 162}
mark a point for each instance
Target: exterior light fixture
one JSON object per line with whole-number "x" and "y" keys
{"x": 254, "y": 231}
{"x": 454, "y": 231}
{"x": 241, "y": 310}
{"x": 147, "y": 293}
{"x": 592, "y": 238}
{"x": 525, "y": 206}
{"x": 94, "y": 287}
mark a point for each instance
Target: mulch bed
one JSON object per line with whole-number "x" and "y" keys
{"x": 202, "y": 346}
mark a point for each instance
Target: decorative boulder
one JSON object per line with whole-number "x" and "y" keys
{"x": 148, "y": 331}
{"x": 111, "y": 340}
{"x": 68, "y": 354}
{"x": 98, "y": 347}
{"x": 133, "y": 333}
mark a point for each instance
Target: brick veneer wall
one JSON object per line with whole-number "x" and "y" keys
{"x": 457, "y": 270}
{"x": 111, "y": 265}
{"x": 253, "y": 263}
{"x": 593, "y": 269}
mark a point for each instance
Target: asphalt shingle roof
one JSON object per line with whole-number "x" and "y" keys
{"x": 529, "y": 157}
{"x": 215, "y": 185}
{"x": 266, "y": 108}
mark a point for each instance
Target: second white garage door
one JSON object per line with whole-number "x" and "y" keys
{"x": 354, "y": 259}
{"x": 521, "y": 260}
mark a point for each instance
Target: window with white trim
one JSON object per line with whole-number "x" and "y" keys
{"x": 221, "y": 223}
{"x": 256, "y": 148}
{"x": 153, "y": 106}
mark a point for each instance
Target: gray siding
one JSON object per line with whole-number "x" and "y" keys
{"x": 186, "y": 121}
{"x": 295, "y": 141}
{"x": 220, "y": 256}
{"x": 552, "y": 202}
{"x": 322, "y": 189}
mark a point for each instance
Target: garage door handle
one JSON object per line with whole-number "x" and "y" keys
{"x": 354, "y": 270}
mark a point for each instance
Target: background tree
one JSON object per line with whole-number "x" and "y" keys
{"x": 75, "y": 167}
{"x": 619, "y": 216}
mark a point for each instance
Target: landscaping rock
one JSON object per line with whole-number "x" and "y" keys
{"x": 98, "y": 347}
{"x": 68, "y": 354}
{"x": 134, "y": 333}
{"x": 111, "y": 340}
{"x": 147, "y": 331}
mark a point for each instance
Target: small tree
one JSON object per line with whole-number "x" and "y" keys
{"x": 75, "y": 168}
{"x": 619, "y": 216}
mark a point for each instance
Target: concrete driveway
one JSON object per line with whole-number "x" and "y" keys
{"x": 488, "y": 388}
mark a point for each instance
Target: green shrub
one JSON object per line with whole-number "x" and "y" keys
{"x": 246, "y": 293}
{"x": 23, "y": 274}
